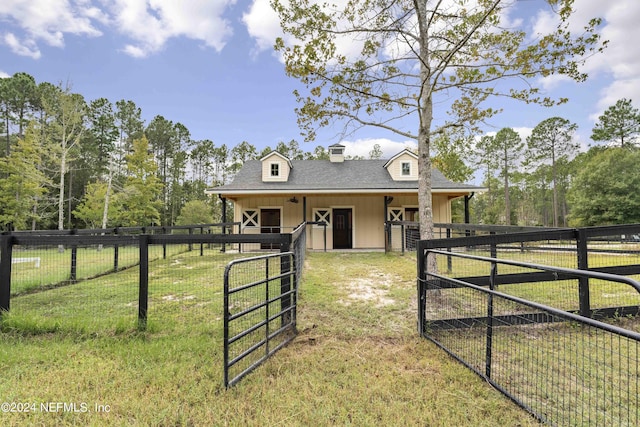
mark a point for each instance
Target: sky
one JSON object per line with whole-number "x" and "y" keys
{"x": 210, "y": 65}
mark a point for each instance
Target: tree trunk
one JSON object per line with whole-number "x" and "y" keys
{"x": 425, "y": 198}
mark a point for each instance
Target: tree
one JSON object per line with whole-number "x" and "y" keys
{"x": 21, "y": 182}
{"x": 91, "y": 208}
{"x": 413, "y": 56}
{"x": 450, "y": 155}
{"x": 620, "y": 124}
{"x": 195, "y": 212}
{"x": 240, "y": 154}
{"x": 140, "y": 200}
{"x": 130, "y": 125}
{"x": 69, "y": 113}
{"x": 17, "y": 97}
{"x": 550, "y": 142}
{"x": 375, "y": 152}
{"x": 605, "y": 190}
{"x": 508, "y": 146}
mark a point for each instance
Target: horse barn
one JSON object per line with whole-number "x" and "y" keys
{"x": 353, "y": 197}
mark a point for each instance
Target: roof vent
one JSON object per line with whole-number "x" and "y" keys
{"x": 336, "y": 153}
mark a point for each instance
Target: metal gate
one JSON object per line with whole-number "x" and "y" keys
{"x": 260, "y": 296}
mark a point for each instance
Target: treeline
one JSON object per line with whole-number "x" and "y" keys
{"x": 66, "y": 162}
{"x": 546, "y": 180}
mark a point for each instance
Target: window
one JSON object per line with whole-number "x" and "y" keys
{"x": 406, "y": 169}
{"x": 322, "y": 215}
{"x": 395, "y": 215}
{"x": 275, "y": 169}
{"x": 250, "y": 218}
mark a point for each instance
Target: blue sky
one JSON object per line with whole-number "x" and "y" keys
{"x": 208, "y": 64}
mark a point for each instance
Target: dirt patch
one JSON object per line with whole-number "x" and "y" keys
{"x": 374, "y": 288}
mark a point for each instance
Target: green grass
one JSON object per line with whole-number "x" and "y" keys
{"x": 562, "y": 294}
{"x": 357, "y": 360}
{"x": 55, "y": 265}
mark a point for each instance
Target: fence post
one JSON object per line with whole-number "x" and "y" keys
{"x": 74, "y": 259}
{"x": 489, "y": 342}
{"x": 449, "y": 265}
{"x": 494, "y": 249}
{"x": 583, "y": 264}
{"x": 285, "y": 282}
{"x": 143, "y": 282}
{"x": 115, "y": 251}
{"x": 421, "y": 257}
{"x": 164, "y": 245}
{"x": 190, "y": 234}
{"x": 201, "y": 242}
{"x": 6, "y": 247}
{"x": 324, "y": 231}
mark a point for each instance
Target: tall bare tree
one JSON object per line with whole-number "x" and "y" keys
{"x": 392, "y": 64}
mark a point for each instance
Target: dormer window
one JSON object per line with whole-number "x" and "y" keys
{"x": 275, "y": 169}
{"x": 406, "y": 169}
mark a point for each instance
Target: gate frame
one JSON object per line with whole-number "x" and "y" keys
{"x": 288, "y": 297}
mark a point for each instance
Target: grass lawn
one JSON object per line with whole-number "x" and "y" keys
{"x": 357, "y": 360}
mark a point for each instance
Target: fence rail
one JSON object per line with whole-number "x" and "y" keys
{"x": 501, "y": 315}
{"x": 66, "y": 259}
{"x": 260, "y": 303}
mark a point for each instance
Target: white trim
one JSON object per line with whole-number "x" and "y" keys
{"x": 329, "y": 213}
{"x": 353, "y": 223}
{"x": 405, "y": 151}
{"x": 402, "y": 163}
{"x": 456, "y": 191}
{"x": 279, "y": 174}
{"x": 279, "y": 155}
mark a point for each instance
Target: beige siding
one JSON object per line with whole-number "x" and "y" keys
{"x": 283, "y": 166}
{"x": 395, "y": 168}
{"x": 368, "y": 215}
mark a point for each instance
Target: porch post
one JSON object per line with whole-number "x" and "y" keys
{"x": 224, "y": 220}
{"x": 304, "y": 209}
{"x": 466, "y": 211}
{"x": 387, "y": 227}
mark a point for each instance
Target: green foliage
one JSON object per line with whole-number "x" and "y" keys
{"x": 91, "y": 208}
{"x": 605, "y": 189}
{"x": 619, "y": 125}
{"x": 195, "y": 212}
{"x": 451, "y": 151}
{"x": 22, "y": 183}
{"x": 139, "y": 202}
{"x": 407, "y": 58}
{"x": 551, "y": 142}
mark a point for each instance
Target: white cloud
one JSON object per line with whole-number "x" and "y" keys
{"x": 4, "y": 75}
{"x": 21, "y": 47}
{"x": 620, "y": 61}
{"x": 362, "y": 147}
{"x": 45, "y": 21}
{"x": 148, "y": 23}
{"x": 263, "y": 24}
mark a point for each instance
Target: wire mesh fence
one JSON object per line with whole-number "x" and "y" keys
{"x": 563, "y": 368}
{"x": 260, "y": 311}
{"x": 93, "y": 282}
{"x": 515, "y": 309}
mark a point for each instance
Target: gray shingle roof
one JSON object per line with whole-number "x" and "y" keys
{"x": 325, "y": 175}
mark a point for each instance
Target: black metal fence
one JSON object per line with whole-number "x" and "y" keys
{"x": 117, "y": 276}
{"x": 532, "y": 329}
{"x": 260, "y": 302}
{"x": 402, "y": 236}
